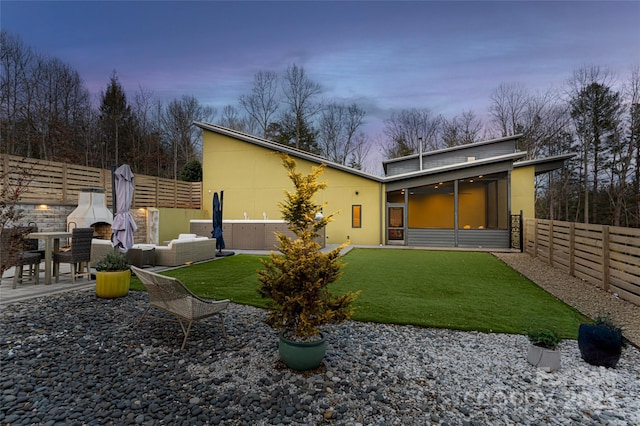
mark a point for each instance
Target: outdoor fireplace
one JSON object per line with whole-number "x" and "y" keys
{"x": 92, "y": 212}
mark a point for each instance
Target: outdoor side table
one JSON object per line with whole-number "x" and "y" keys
{"x": 141, "y": 256}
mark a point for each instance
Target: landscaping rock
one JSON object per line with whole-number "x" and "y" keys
{"x": 75, "y": 359}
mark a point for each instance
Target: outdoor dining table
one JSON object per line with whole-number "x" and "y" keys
{"x": 52, "y": 245}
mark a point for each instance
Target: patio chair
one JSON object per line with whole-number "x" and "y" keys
{"x": 170, "y": 295}
{"x": 12, "y": 244}
{"x": 79, "y": 256}
{"x": 31, "y": 244}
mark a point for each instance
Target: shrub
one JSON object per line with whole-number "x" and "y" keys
{"x": 114, "y": 261}
{"x": 606, "y": 321}
{"x": 544, "y": 338}
{"x": 296, "y": 281}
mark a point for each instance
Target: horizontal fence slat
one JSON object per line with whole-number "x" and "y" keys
{"x": 582, "y": 253}
{"x": 61, "y": 183}
{"x": 623, "y": 294}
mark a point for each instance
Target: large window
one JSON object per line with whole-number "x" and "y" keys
{"x": 482, "y": 204}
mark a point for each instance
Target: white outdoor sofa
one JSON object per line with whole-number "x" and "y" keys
{"x": 187, "y": 248}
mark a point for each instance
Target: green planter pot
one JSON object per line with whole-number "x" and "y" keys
{"x": 302, "y": 356}
{"x": 112, "y": 284}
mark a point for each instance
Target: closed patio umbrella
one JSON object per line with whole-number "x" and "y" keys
{"x": 217, "y": 222}
{"x": 217, "y": 225}
{"x": 123, "y": 224}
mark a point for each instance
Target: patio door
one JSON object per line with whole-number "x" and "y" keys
{"x": 395, "y": 224}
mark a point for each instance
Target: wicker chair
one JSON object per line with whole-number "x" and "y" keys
{"x": 31, "y": 244}
{"x": 79, "y": 256}
{"x": 171, "y": 296}
{"x": 12, "y": 244}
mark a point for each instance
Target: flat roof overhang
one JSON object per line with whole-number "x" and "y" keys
{"x": 503, "y": 163}
{"x": 547, "y": 164}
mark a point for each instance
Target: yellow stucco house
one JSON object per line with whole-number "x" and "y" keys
{"x": 463, "y": 196}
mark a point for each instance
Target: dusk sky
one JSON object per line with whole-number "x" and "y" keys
{"x": 446, "y": 56}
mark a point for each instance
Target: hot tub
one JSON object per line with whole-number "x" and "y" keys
{"x": 246, "y": 234}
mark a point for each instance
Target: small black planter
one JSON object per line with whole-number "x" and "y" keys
{"x": 600, "y": 344}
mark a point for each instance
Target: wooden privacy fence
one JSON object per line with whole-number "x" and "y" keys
{"x": 60, "y": 183}
{"x": 607, "y": 256}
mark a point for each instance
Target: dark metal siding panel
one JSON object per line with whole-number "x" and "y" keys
{"x": 470, "y": 238}
{"x": 491, "y": 238}
{"x": 478, "y": 153}
{"x": 448, "y": 158}
{"x": 410, "y": 165}
{"x": 430, "y": 237}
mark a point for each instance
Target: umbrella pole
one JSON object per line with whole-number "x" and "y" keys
{"x": 221, "y": 213}
{"x": 113, "y": 190}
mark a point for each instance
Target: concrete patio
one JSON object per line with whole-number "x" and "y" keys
{"x": 30, "y": 290}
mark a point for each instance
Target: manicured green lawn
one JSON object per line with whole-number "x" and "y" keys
{"x": 457, "y": 290}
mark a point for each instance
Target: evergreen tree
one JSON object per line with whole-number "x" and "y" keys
{"x": 596, "y": 113}
{"x": 192, "y": 171}
{"x": 284, "y": 132}
{"x": 116, "y": 123}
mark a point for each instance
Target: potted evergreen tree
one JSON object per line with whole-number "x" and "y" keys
{"x": 113, "y": 275}
{"x": 296, "y": 279}
{"x": 543, "y": 352}
{"x": 600, "y": 343}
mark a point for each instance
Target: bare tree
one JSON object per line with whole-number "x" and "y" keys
{"x": 339, "y": 133}
{"x": 461, "y": 130}
{"x": 14, "y": 182}
{"x": 147, "y": 153}
{"x": 299, "y": 93}
{"x": 262, "y": 103}
{"x": 43, "y": 104}
{"x": 16, "y": 59}
{"x": 540, "y": 118}
{"x": 232, "y": 119}
{"x": 508, "y": 104}
{"x": 405, "y": 129}
{"x": 179, "y": 131}
{"x": 633, "y": 96}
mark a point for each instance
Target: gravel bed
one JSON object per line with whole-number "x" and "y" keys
{"x": 74, "y": 359}
{"x": 585, "y": 297}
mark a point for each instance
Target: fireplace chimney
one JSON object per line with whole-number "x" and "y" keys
{"x": 92, "y": 209}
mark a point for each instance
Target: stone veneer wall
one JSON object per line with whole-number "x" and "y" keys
{"x": 55, "y": 219}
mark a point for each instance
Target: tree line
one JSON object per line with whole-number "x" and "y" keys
{"x": 47, "y": 112}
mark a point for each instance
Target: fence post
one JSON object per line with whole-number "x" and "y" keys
{"x": 535, "y": 237}
{"x": 157, "y": 194}
{"x": 551, "y": 242}
{"x": 65, "y": 188}
{"x": 5, "y": 169}
{"x": 605, "y": 258}
{"x": 175, "y": 194}
{"x": 522, "y": 229}
{"x": 572, "y": 247}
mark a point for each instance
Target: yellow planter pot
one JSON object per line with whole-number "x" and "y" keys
{"x": 112, "y": 284}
